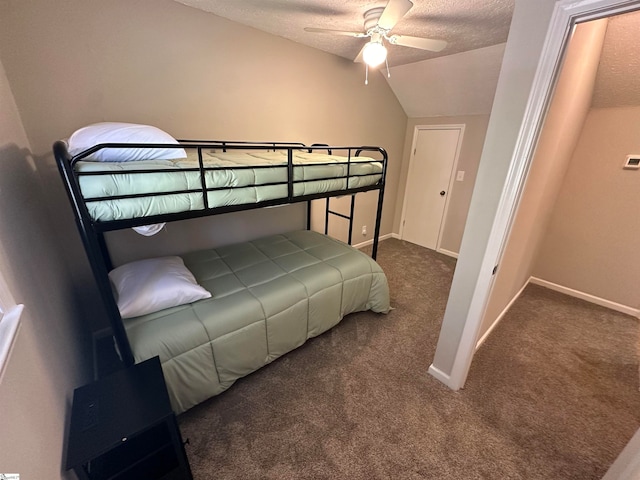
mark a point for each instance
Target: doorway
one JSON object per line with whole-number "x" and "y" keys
{"x": 516, "y": 118}
{"x": 434, "y": 158}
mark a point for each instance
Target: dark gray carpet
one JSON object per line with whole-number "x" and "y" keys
{"x": 553, "y": 394}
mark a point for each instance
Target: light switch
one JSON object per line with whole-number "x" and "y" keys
{"x": 460, "y": 175}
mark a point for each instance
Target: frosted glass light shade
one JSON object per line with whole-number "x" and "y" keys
{"x": 374, "y": 54}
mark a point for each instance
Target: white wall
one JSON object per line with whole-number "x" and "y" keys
{"x": 51, "y": 356}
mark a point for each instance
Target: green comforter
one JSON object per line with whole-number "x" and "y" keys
{"x": 269, "y": 297}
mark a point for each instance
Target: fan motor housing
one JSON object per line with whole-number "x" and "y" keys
{"x": 371, "y": 17}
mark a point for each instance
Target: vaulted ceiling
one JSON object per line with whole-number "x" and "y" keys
{"x": 464, "y": 24}
{"x": 467, "y": 25}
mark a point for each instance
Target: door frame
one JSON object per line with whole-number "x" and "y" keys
{"x": 452, "y": 177}
{"x": 565, "y": 15}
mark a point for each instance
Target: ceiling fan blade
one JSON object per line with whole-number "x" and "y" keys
{"x": 335, "y": 32}
{"x": 394, "y": 11}
{"x": 418, "y": 42}
{"x": 359, "y": 58}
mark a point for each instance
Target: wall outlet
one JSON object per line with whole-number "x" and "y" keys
{"x": 460, "y": 176}
{"x": 364, "y": 230}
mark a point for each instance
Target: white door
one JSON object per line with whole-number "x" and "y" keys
{"x": 434, "y": 155}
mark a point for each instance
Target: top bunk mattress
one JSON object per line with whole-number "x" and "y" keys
{"x": 135, "y": 189}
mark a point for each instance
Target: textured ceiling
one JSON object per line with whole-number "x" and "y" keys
{"x": 464, "y": 24}
{"x": 618, "y": 78}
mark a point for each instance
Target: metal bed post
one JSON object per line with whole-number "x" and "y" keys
{"x": 102, "y": 244}
{"x": 376, "y": 234}
{"x": 309, "y": 215}
{"x": 203, "y": 180}
{"x": 326, "y": 217}
{"x": 93, "y": 244}
{"x": 290, "y": 173}
{"x": 353, "y": 206}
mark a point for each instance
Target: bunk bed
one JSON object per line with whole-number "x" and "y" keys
{"x": 225, "y": 312}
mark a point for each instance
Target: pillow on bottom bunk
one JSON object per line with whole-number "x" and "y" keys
{"x": 146, "y": 286}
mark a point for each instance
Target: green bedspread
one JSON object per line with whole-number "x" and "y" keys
{"x": 245, "y": 172}
{"x": 269, "y": 296}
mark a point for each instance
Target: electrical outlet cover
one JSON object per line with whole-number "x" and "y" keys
{"x": 633, "y": 162}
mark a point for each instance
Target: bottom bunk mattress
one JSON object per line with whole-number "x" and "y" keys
{"x": 268, "y": 297}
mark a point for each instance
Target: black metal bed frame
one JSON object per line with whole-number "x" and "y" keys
{"x": 92, "y": 232}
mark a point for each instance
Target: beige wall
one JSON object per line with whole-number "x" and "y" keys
{"x": 556, "y": 144}
{"x": 591, "y": 244}
{"x": 50, "y": 357}
{"x": 471, "y": 149}
{"x": 73, "y": 62}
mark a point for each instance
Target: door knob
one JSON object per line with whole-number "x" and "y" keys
{"x": 442, "y": 193}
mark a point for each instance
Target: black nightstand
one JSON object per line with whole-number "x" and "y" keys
{"x": 123, "y": 428}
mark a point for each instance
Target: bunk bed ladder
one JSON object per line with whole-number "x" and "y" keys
{"x": 349, "y": 217}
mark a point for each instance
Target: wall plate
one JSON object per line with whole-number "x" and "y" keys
{"x": 632, "y": 162}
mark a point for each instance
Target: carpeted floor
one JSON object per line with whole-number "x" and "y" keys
{"x": 553, "y": 394}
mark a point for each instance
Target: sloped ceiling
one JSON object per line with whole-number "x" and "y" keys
{"x": 465, "y": 24}
{"x": 475, "y": 30}
{"x": 460, "y": 84}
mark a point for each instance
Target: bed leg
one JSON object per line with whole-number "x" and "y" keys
{"x": 376, "y": 233}
{"x": 353, "y": 207}
{"x": 326, "y": 218}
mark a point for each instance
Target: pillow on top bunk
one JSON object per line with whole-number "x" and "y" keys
{"x": 114, "y": 132}
{"x": 146, "y": 286}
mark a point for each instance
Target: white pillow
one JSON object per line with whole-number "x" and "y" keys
{"x": 146, "y": 286}
{"x": 113, "y": 132}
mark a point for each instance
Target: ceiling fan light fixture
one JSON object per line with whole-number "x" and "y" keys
{"x": 374, "y": 54}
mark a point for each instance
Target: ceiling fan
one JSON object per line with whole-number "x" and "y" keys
{"x": 378, "y": 23}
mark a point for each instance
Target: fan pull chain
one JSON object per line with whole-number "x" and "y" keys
{"x": 386, "y": 61}
{"x": 366, "y": 74}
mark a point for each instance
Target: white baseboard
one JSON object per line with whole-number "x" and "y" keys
{"x": 588, "y": 297}
{"x": 502, "y": 314}
{"x": 447, "y": 252}
{"x": 634, "y": 312}
{"x": 370, "y": 242}
{"x": 440, "y": 375}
